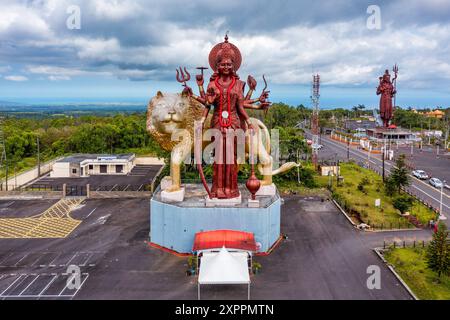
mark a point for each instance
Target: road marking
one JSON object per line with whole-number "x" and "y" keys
{"x": 28, "y": 285}
{"x": 21, "y": 259}
{"x": 55, "y": 222}
{"x": 113, "y": 187}
{"x": 6, "y": 257}
{"x": 48, "y": 285}
{"x": 86, "y": 261}
{"x": 1, "y": 294}
{"x": 81, "y": 285}
{"x": 67, "y": 263}
{"x": 51, "y": 264}
{"x": 91, "y": 213}
{"x": 439, "y": 201}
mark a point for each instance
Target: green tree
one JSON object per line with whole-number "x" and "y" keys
{"x": 399, "y": 174}
{"x": 390, "y": 187}
{"x": 438, "y": 252}
{"x": 403, "y": 203}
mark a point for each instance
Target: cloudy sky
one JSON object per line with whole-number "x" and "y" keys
{"x": 127, "y": 50}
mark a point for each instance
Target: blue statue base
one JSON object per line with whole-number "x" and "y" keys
{"x": 174, "y": 225}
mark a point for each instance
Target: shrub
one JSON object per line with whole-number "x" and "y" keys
{"x": 403, "y": 203}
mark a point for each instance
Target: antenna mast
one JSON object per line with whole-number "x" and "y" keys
{"x": 315, "y": 95}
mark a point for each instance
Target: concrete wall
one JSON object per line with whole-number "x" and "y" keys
{"x": 60, "y": 170}
{"x": 148, "y": 161}
{"x": 30, "y": 195}
{"x": 29, "y": 175}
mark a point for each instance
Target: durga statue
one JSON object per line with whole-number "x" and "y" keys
{"x": 225, "y": 94}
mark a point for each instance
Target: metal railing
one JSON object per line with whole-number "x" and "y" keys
{"x": 122, "y": 188}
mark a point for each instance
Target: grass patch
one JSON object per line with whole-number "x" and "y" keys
{"x": 358, "y": 192}
{"x": 410, "y": 264}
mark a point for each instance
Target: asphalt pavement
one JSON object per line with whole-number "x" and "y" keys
{"x": 323, "y": 257}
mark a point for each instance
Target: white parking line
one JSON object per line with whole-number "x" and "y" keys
{"x": 68, "y": 262}
{"x": 51, "y": 264}
{"x": 26, "y": 255}
{"x": 126, "y": 188}
{"x": 48, "y": 285}
{"x": 90, "y": 213}
{"x": 28, "y": 285}
{"x": 1, "y": 294}
{"x": 113, "y": 187}
{"x": 86, "y": 261}
{"x": 6, "y": 258}
{"x": 81, "y": 285}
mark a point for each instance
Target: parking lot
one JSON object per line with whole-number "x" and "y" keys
{"x": 322, "y": 258}
{"x": 136, "y": 180}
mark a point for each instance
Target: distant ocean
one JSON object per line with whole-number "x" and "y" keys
{"x": 82, "y": 108}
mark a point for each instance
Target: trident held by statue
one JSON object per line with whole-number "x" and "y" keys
{"x": 182, "y": 77}
{"x": 394, "y": 81}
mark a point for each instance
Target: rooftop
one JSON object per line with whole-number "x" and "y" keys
{"x": 78, "y": 158}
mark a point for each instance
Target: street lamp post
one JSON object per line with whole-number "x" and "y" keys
{"x": 383, "y": 155}
{"x": 348, "y": 149}
{"x": 441, "y": 215}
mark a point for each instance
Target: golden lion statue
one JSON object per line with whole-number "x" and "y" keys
{"x": 171, "y": 117}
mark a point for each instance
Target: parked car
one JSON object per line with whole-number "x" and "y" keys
{"x": 420, "y": 174}
{"x": 435, "y": 182}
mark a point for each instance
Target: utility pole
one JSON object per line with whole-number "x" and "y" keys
{"x": 315, "y": 94}
{"x": 3, "y": 159}
{"x": 384, "y": 156}
{"x": 348, "y": 149}
{"x": 38, "y": 158}
{"x": 441, "y": 215}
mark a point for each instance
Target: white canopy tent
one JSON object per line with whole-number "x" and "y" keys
{"x": 224, "y": 267}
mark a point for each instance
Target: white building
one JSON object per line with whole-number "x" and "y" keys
{"x": 84, "y": 165}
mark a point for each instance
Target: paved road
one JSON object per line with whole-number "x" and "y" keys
{"x": 419, "y": 188}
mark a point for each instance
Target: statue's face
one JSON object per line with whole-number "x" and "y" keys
{"x": 225, "y": 66}
{"x": 168, "y": 112}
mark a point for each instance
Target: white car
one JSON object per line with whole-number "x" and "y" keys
{"x": 420, "y": 174}
{"x": 317, "y": 146}
{"x": 435, "y": 182}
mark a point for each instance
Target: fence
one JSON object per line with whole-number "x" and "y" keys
{"x": 402, "y": 223}
{"x": 405, "y": 244}
{"x": 121, "y": 188}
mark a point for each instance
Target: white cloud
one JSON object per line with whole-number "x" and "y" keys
{"x": 342, "y": 50}
{"x": 16, "y": 78}
{"x": 116, "y": 9}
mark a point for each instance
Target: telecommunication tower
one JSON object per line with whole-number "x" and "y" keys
{"x": 315, "y": 94}
{"x": 3, "y": 160}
